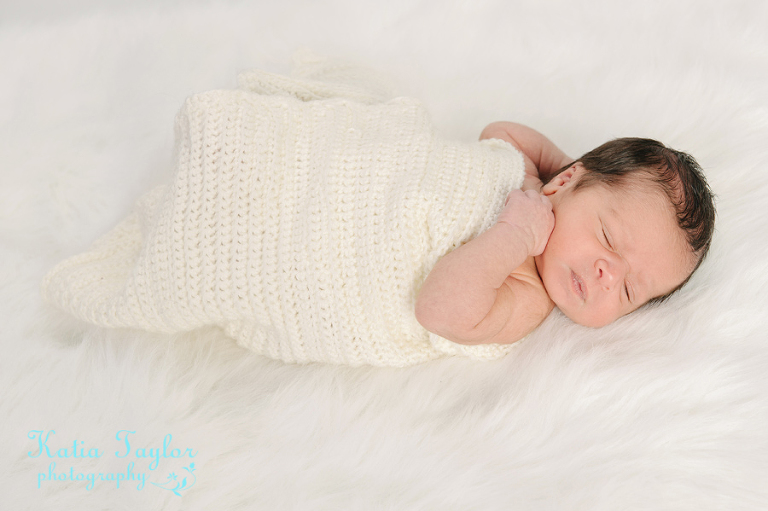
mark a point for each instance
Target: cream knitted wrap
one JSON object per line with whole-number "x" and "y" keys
{"x": 302, "y": 218}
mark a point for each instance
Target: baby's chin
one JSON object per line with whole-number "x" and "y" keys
{"x": 583, "y": 319}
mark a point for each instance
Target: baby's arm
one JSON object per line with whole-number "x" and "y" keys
{"x": 542, "y": 157}
{"x": 471, "y": 297}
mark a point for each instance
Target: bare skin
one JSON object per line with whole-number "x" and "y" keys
{"x": 488, "y": 290}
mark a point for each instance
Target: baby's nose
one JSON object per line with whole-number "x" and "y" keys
{"x": 608, "y": 273}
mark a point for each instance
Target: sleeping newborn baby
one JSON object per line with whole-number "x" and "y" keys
{"x": 314, "y": 219}
{"x": 624, "y": 225}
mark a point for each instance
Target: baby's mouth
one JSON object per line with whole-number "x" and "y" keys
{"x": 578, "y": 286}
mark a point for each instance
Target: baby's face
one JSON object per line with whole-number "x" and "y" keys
{"x": 611, "y": 250}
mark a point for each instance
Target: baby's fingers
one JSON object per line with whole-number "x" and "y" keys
{"x": 512, "y": 194}
{"x": 532, "y": 183}
{"x": 536, "y": 196}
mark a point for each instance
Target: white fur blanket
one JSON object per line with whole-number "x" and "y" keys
{"x": 665, "y": 409}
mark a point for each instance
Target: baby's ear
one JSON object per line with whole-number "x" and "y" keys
{"x": 564, "y": 180}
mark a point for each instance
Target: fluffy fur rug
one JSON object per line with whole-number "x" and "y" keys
{"x": 665, "y": 409}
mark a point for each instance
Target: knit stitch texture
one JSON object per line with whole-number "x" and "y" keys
{"x": 302, "y": 218}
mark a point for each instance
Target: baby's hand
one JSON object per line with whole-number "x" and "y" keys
{"x": 530, "y": 213}
{"x": 531, "y": 182}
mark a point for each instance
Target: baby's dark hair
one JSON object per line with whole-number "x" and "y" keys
{"x": 677, "y": 174}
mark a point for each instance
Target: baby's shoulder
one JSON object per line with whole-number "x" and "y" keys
{"x": 533, "y": 302}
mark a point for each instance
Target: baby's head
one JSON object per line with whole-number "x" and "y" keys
{"x": 633, "y": 221}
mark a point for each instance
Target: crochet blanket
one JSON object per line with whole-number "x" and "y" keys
{"x": 302, "y": 218}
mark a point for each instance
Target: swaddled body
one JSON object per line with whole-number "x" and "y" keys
{"x": 301, "y": 222}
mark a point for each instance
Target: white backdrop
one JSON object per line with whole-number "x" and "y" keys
{"x": 665, "y": 409}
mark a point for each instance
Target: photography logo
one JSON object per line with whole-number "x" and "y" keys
{"x": 73, "y": 462}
